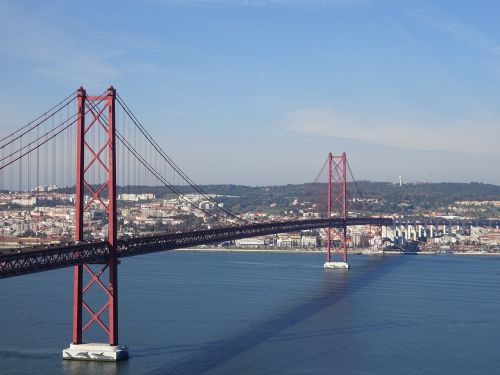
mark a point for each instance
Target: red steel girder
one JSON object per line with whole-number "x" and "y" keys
{"x": 105, "y": 105}
{"x": 96, "y": 157}
{"x": 337, "y": 195}
{"x": 97, "y": 116}
{"x": 96, "y": 195}
{"x": 95, "y": 317}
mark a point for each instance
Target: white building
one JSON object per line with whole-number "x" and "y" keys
{"x": 136, "y": 197}
{"x": 250, "y": 242}
{"x": 309, "y": 241}
{"x": 288, "y": 240}
{"x": 25, "y": 201}
{"x": 205, "y": 205}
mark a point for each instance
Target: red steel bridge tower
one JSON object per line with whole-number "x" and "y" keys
{"x": 337, "y": 199}
{"x": 96, "y": 150}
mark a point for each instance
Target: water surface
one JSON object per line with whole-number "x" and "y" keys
{"x": 247, "y": 313}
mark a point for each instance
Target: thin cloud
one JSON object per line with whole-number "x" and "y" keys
{"x": 462, "y": 135}
{"x": 52, "y": 51}
{"x": 459, "y": 31}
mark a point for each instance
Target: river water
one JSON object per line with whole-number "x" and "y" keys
{"x": 247, "y": 313}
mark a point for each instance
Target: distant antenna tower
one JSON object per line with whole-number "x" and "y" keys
{"x": 400, "y": 181}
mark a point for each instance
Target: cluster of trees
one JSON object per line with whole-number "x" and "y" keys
{"x": 390, "y": 198}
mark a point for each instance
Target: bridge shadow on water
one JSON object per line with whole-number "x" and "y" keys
{"x": 338, "y": 285}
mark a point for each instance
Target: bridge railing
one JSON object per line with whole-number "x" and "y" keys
{"x": 37, "y": 260}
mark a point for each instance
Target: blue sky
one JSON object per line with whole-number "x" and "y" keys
{"x": 258, "y": 92}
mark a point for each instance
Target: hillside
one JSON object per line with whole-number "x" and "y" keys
{"x": 380, "y": 197}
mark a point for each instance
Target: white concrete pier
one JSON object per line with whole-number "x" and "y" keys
{"x": 95, "y": 352}
{"x": 337, "y": 265}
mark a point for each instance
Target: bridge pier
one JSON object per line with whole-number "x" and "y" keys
{"x": 95, "y": 352}
{"x": 336, "y": 265}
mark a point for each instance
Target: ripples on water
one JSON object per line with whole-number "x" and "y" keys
{"x": 245, "y": 313}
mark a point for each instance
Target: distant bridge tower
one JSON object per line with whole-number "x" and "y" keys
{"x": 337, "y": 198}
{"x": 96, "y": 156}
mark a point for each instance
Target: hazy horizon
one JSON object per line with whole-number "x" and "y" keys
{"x": 258, "y": 92}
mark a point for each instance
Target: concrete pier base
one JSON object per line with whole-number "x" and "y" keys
{"x": 338, "y": 265}
{"x": 95, "y": 352}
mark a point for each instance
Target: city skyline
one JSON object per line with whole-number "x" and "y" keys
{"x": 262, "y": 91}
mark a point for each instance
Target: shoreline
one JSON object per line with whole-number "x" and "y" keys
{"x": 323, "y": 251}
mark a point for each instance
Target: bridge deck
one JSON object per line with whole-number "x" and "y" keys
{"x": 38, "y": 260}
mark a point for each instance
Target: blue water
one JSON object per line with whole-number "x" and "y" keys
{"x": 245, "y": 313}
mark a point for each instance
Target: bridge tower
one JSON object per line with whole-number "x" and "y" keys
{"x": 337, "y": 199}
{"x": 96, "y": 156}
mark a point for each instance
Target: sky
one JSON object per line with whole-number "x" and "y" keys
{"x": 259, "y": 92}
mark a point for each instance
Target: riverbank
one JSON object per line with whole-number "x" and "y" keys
{"x": 323, "y": 251}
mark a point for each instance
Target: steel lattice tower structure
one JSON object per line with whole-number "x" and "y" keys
{"x": 92, "y": 156}
{"x": 337, "y": 199}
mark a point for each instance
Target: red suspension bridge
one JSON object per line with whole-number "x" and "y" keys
{"x": 115, "y": 154}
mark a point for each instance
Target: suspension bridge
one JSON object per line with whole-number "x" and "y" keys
{"x": 116, "y": 156}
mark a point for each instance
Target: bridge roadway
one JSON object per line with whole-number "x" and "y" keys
{"x": 37, "y": 260}
{"x": 45, "y": 259}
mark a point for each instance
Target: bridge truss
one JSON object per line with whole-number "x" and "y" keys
{"x": 38, "y": 260}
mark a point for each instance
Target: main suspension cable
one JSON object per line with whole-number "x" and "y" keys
{"x": 35, "y": 123}
{"x": 167, "y": 159}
